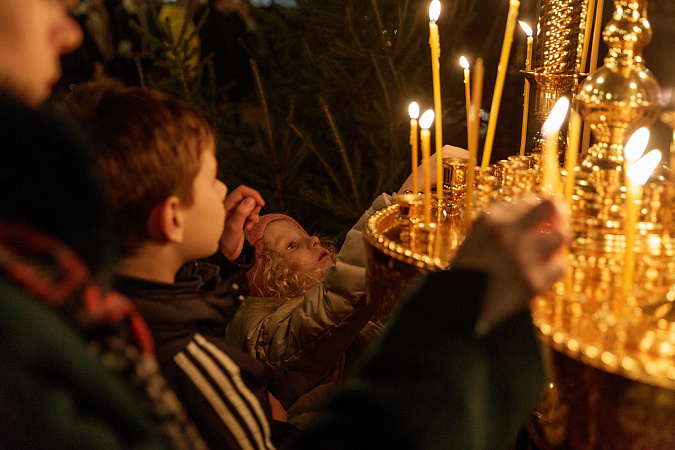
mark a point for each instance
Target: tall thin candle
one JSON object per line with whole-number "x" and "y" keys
{"x": 425, "y": 137}
{"x": 499, "y": 84}
{"x": 467, "y": 92}
{"x": 573, "y": 137}
{"x": 434, "y": 13}
{"x": 414, "y": 112}
{"x": 551, "y": 131}
{"x": 588, "y": 28}
{"x": 526, "y": 91}
{"x": 474, "y": 127}
{"x": 637, "y": 175}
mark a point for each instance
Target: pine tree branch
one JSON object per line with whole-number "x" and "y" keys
{"x": 343, "y": 152}
{"x": 270, "y": 134}
{"x": 320, "y": 157}
{"x": 386, "y": 44}
{"x": 350, "y": 25}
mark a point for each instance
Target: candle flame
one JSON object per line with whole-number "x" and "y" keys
{"x": 434, "y": 11}
{"x": 636, "y": 145}
{"x": 414, "y": 110}
{"x": 426, "y": 119}
{"x": 463, "y": 62}
{"x": 640, "y": 171}
{"x": 557, "y": 116}
{"x": 526, "y": 28}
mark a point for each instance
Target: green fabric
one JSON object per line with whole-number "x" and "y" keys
{"x": 54, "y": 394}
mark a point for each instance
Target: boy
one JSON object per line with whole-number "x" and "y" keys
{"x": 160, "y": 170}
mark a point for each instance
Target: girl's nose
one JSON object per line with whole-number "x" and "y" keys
{"x": 313, "y": 242}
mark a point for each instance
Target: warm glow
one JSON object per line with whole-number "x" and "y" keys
{"x": 557, "y": 116}
{"x": 434, "y": 11}
{"x": 414, "y": 110}
{"x": 463, "y": 62}
{"x": 636, "y": 145}
{"x": 426, "y": 119}
{"x": 526, "y": 28}
{"x": 640, "y": 171}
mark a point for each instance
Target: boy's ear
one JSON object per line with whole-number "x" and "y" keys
{"x": 165, "y": 223}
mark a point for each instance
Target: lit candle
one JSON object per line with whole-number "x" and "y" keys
{"x": 637, "y": 175}
{"x": 467, "y": 92}
{"x": 425, "y": 137}
{"x": 499, "y": 83}
{"x": 474, "y": 127}
{"x": 414, "y": 112}
{"x": 635, "y": 147}
{"x": 551, "y": 131}
{"x": 573, "y": 137}
{"x": 526, "y": 93}
{"x": 434, "y": 13}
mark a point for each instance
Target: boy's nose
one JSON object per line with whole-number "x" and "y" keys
{"x": 313, "y": 242}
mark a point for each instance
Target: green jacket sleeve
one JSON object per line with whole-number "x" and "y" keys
{"x": 432, "y": 383}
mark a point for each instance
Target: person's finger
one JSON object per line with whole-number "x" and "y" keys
{"x": 449, "y": 151}
{"x": 547, "y": 274}
{"x": 252, "y": 218}
{"x": 537, "y": 215}
{"x": 239, "y": 194}
{"x": 237, "y": 219}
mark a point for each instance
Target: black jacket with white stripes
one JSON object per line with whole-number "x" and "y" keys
{"x": 223, "y": 390}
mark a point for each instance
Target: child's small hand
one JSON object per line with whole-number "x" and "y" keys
{"x": 448, "y": 152}
{"x": 242, "y": 208}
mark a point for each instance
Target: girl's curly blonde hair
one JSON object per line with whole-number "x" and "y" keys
{"x": 274, "y": 276}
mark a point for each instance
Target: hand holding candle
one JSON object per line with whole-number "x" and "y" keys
{"x": 434, "y": 13}
{"x": 526, "y": 92}
{"x": 414, "y": 112}
{"x": 551, "y": 131}
{"x": 425, "y": 136}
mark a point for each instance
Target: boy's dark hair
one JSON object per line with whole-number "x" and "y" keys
{"x": 149, "y": 146}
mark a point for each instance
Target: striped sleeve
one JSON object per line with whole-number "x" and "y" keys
{"x": 219, "y": 380}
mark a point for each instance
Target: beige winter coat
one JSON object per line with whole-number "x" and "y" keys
{"x": 311, "y": 343}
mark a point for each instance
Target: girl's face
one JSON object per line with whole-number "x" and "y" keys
{"x": 293, "y": 244}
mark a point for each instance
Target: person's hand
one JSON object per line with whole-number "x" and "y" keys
{"x": 448, "y": 151}
{"x": 242, "y": 207}
{"x": 518, "y": 245}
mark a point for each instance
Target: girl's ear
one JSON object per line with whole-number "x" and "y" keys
{"x": 166, "y": 223}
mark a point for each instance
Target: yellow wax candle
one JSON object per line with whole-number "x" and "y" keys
{"x": 474, "y": 127}
{"x": 499, "y": 83}
{"x": 588, "y": 28}
{"x": 434, "y": 13}
{"x": 597, "y": 32}
{"x": 425, "y": 137}
{"x": 467, "y": 92}
{"x": 551, "y": 131}
{"x": 414, "y": 112}
{"x": 526, "y": 91}
{"x": 573, "y": 137}
{"x": 637, "y": 175}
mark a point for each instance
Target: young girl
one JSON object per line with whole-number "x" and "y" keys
{"x": 307, "y": 317}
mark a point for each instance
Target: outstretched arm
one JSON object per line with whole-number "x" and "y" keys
{"x": 437, "y": 380}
